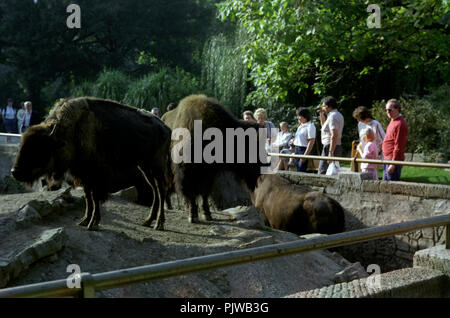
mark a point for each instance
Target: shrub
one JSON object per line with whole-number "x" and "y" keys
{"x": 224, "y": 73}
{"x": 428, "y": 126}
{"x": 161, "y": 88}
{"x": 111, "y": 84}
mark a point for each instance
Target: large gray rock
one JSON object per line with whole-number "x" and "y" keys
{"x": 18, "y": 252}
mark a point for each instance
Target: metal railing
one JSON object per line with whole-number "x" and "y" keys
{"x": 95, "y": 282}
{"x": 6, "y": 138}
{"x": 360, "y": 160}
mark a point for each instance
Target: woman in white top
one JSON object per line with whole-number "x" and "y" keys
{"x": 364, "y": 117}
{"x": 304, "y": 137}
{"x": 9, "y": 117}
{"x": 20, "y": 117}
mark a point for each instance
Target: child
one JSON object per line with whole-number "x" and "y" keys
{"x": 281, "y": 144}
{"x": 370, "y": 151}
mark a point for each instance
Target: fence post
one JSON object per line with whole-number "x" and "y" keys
{"x": 447, "y": 237}
{"x": 354, "y": 155}
{"x": 87, "y": 286}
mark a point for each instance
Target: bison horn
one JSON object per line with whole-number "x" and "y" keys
{"x": 53, "y": 130}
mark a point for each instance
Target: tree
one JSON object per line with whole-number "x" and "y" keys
{"x": 36, "y": 42}
{"x": 302, "y": 49}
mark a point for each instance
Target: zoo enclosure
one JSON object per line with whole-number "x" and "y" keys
{"x": 90, "y": 283}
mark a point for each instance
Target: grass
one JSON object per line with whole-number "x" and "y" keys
{"x": 427, "y": 175}
{"x": 418, "y": 174}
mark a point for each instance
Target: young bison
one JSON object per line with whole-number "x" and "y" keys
{"x": 294, "y": 208}
{"x": 105, "y": 146}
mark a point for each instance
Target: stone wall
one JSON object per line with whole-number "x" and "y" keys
{"x": 370, "y": 203}
{"x": 7, "y": 156}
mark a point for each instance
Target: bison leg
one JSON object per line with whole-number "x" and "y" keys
{"x": 193, "y": 210}
{"x": 157, "y": 209}
{"x": 95, "y": 219}
{"x": 89, "y": 208}
{"x": 161, "y": 196}
{"x": 206, "y": 209}
{"x": 152, "y": 216}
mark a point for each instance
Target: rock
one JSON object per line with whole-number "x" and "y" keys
{"x": 15, "y": 261}
{"x": 352, "y": 272}
{"x": 129, "y": 194}
{"x": 44, "y": 208}
{"x": 247, "y": 217}
{"x": 27, "y": 215}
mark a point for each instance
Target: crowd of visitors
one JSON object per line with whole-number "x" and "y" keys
{"x": 16, "y": 120}
{"x": 374, "y": 142}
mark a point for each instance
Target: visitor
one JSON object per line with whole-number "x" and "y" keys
{"x": 20, "y": 117}
{"x": 171, "y": 106}
{"x": 368, "y": 150}
{"x": 364, "y": 117}
{"x": 32, "y": 117}
{"x": 9, "y": 117}
{"x": 281, "y": 144}
{"x": 156, "y": 112}
{"x": 394, "y": 143}
{"x": 248, "y": 116}
{"x": 332, "y": 126}
{"x": 261, "y": 118}
{"x": 304, "y": 138}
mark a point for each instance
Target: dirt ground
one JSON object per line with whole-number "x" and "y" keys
{"x": 122, "y": 242}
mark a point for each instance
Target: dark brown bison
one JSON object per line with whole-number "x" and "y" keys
{"x": 297, "y": 209}
{"x": 207, "y": 124}
{"x": 105, "y": 146}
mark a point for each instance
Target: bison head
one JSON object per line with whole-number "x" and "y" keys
{"x": 38, "y": 154}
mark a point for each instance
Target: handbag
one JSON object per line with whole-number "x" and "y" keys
{"x": 333, "y": 168}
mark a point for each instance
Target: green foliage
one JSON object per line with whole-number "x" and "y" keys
{"x": 160, "y": 88}
{"x": 111, "y": 84}
{"x": 156, "y": 89}
{"x": 429, "y": 131}
{"x": 298, "y": 49}
{"x": 224, "y": 73}
{"x": 114, "y": 34}
{"x": 82, "y": 89}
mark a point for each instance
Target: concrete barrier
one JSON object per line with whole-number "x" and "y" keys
{"x": 371, "y": 203}
{"x": 8, "y": 154}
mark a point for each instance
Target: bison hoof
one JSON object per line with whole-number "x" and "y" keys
{"x": 147, "y": 223}
{"x": 159, "y": 227}
{"x": 83, "y": 222}
{"x": 92, "y": 227}
{"x": 208, "y": 217}
{"x": 193, "y": 219}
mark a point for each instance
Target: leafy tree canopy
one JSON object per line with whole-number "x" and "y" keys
{"x": 298, "y": 50}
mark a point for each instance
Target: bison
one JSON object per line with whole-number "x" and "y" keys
{"x": 105, "y": 146}
{"x": 295, "y": 208}
{"x": 194, "y": 178}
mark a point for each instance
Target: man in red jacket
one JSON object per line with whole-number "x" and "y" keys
{"x": 394, "y": 143}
